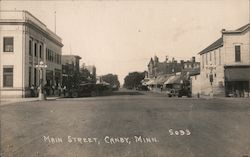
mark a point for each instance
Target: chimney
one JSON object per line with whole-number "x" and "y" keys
{"x": 173, "y": 59}
{"x": 193, "y": 59}
{"x": 166, "y": 59}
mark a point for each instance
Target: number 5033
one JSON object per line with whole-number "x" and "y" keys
{"x": 181, "y": 132}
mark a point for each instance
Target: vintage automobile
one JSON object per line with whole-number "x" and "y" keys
{"x": 179, "y": 91}
{"x": 89, "y": 89}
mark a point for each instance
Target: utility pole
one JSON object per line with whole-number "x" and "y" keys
{"x": 211, "y": 67}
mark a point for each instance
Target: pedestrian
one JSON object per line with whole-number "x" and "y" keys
{"x": 64, "y": 90}
{"x": 47, "y": 89}
{"x": 53, "y": 89}
{"x": 32, "y": 90}
{"x": 59, "y": 90}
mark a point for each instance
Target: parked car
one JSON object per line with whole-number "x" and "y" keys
{"x": 172, "y": 92}
{"x": 89, "y": 89}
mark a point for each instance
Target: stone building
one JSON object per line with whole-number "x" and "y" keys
{"x": 225, "y": 64}
{"x": 24, "y": 42}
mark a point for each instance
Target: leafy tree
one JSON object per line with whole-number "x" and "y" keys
{"x": 85, "y": 76}
{"x": 112, "y": 79}
{"x": 133, "y": 79}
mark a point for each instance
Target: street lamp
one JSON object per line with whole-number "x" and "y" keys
{"x": 211, "y": 67}
{"x": 40, "y": 68}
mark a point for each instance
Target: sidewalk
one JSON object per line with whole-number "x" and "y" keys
{"x": 7, "y": 101}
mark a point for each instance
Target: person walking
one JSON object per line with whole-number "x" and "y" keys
{"x": 32, "y": 90}
{"x": 59, "y": 90}
{"x": 64, "y": 90}
{"x": 53, "y": 89}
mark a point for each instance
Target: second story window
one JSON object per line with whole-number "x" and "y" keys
{"x": 237, "y": 53}
{"x": 35, "y": 49}
{"x": 214, "y": 57}
{"x": 8, "y": 44}
{"x": 219, "y": 57}
{"x": 202, "y": 62}
{"x": 206, "y": 60}
{"x": 40, "y": 51}
{"x": 30, "y": 47}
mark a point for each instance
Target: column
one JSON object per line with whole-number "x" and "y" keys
{"x": 45, "y": 62}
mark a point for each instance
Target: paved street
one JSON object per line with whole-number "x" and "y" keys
{"x": 127, "y": 124}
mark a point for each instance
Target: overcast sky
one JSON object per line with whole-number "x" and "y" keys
{"x": 120, "y": 36}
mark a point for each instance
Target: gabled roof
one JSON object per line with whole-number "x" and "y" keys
{"x": 218, "y": 43}
{"x": 243, "y": 27}
{"x": 151, "y": 61}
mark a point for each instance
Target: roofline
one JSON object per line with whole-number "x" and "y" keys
{"x": 201, "y": 53}
{"x": 237, "y": 31}
{"x": 40, "y": 26}
{"x": 245, "y": 27}
{"x": 72, "y": 56}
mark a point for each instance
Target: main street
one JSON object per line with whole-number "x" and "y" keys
{"x": 127, "y": 124}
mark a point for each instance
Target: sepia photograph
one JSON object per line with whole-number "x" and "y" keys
{"x": 124, "y": 78}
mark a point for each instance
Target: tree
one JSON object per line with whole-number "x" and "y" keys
{"x": 112, "y": 79}
{"x": 85, "y": 75}
{"x": 133, "y": 80}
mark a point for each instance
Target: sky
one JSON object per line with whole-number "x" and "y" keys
{"x": 120, "y": 36}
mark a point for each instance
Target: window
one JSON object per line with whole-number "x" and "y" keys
{"x": 40, "y": 51}
{"x": 35, "y": 47}
{"x": 219, "y": 57}
{"x": 47, "y": 54}
{"x": 35, "y": 77}
{"x": 214, "y": 57}
{"x": 8, "y": 44}
{"x": 30, "y": 48}
{"x": 8, "y": 77}
{"x": 210, "y": 56}
{"x": 202, "y": 62}
{"x": 29, "y": 76}
{"x": 206, "y": 59}
{"x": 237, "y": 53}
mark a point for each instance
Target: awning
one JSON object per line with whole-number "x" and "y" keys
{"x": 144, "y": 81}
{"x": 176, "y": 79}
{"x": 161, "y": 79}
{"x": 150, "y": 82}
{"x": 237, "y": 73}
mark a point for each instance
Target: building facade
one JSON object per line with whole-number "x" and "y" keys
{"x": 225, "y": 64}
{"x": 156, "y": 68}
{"x": 25, "y": 41}
{"x": 70, "y": 69}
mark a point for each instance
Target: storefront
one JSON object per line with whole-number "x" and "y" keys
{"x": 237, "y": 81}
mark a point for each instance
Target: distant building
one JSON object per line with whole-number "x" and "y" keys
{"x": 225, "y": 64}
{"x": 156, "y": 68}
{"x": 24, "y": 42}
{"x": 160, "y": 72}
{"x": 91, "y": 69}
{"x": 70, "y": 68}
